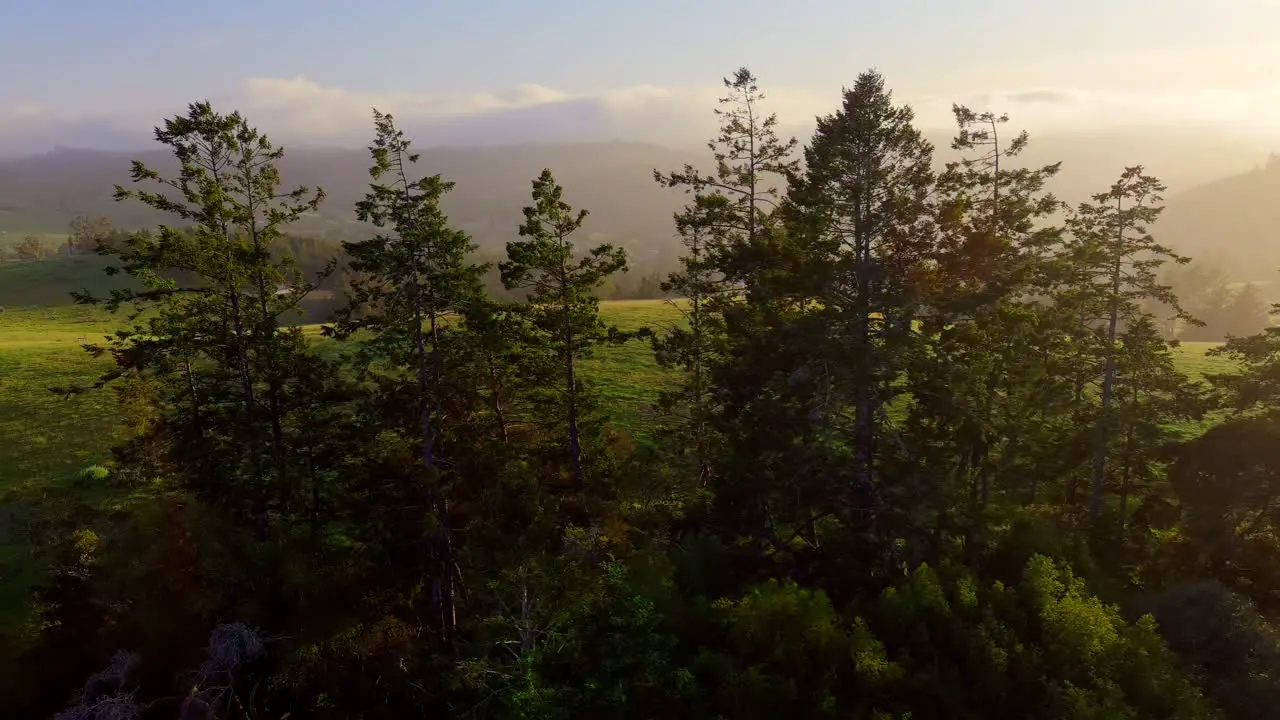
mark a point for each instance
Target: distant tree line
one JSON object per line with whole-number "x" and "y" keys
{"x": 1225, "y": 308}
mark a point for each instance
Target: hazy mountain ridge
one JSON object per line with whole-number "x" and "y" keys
{"x": 1213, "y": 193}
{"x": 42, "y": 193}
{"x": 1233, "y": 222}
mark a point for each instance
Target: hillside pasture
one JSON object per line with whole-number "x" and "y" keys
{"x": 48, "y": 283}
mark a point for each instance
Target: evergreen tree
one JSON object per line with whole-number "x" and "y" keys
{"x": 1257, "y": 386}
{"x": 992, "y": 216}
{"x": 694, "y": 346}
{"x": 1114, "y": 261}
{"x": 985, "y": 392}
{"x": 726, "y": 229}
{"x": 1205, "y": 291}
{"x": 561, "y": 284}
{"x": 1246, "y": 314}
{"x": 861, "y": 209}
{"x": 1150, "y": 394}
{"x": 222, "y": 331}
{"x": 750, "y": 162}
{"x": 406, "y": 285}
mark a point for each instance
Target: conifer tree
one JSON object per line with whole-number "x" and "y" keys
{"x": 222, "y": 329}
{"x": 984, "y": 385}
{"x": 860, "y": 207}
{"x": 1114, "y": 263}
{"x": 991, "y": 216}
{"x": 694, "y": 348}
{"x": 1246, "y": 314}
{"x": 750, "y": 163}
{"x": 560, "y": 283}
{"x": 406, "y": 284}
{"x": 724, "y": 229}
{"x": 1149, "y": 395}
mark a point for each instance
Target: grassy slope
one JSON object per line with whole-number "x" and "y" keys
{"x": 47, "y": 283}
{"x": 45, "y": 439}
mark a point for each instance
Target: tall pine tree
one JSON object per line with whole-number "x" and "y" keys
{"x": 215, "y": 340}
{"x": 406, "y": 285}
{"x": 560, "y": 283}
{"x": 861, "y": 208}
{"x": 982, "y": 383}
{"x": 1114, "y": 262}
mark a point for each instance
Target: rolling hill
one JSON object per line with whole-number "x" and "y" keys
{"x": 1209, "y": 213}
{"x": 40, "y": 194}
{"x": 1233, "y": 222}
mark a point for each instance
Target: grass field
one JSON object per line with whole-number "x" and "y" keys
{"x": 49, "y": 437}
{"x": 47, "y": 283}
{"x": 46, "y": 440}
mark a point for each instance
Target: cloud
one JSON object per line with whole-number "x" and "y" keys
{"x": 300, "y": 110}
{"x": 528, "y": 113}
{"x": 1222, "y": 111}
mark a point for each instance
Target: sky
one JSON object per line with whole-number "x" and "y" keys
{"x": 89, "y": 73}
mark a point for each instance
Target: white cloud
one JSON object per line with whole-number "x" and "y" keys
{"x": 300, "y": 96}
{"x": 1228, "y": 112}
{"x": 301, "y": 110}
{"x": 529, "y": 112}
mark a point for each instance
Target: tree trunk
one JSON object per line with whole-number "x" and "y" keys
{"x": 699, "y": 394}
{"x": 1073, "y": 479}
{"x": 499, "y": 415}
{"x": 258, "y": 509}
{"x": 575, "y": 440}
{"x": 197, "y": 413}
{"x": 1108, "y": 388}
{"x": 1127, "y": 473}
{"x": 267, "y": 339}
{"x": 864, "y": 403}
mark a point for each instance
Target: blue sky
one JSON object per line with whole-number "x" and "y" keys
{"x": 68, "y": 63}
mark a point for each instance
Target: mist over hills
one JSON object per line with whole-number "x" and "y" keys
{"x": 1233, "y": 222}
{"x": 613, "y": 180}
{"x": 1217, "y": 208}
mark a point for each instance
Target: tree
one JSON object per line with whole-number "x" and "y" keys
{"x": 223, "y": 330}
{"x": 1246, "y": 314}
{"x": 561, "y": 285}
{"x": 861, "y": 208}
{"x": 692, "y": 347}
{"x": 31, "y": 248}
{"x": 1257, "y": 385}
{"x": 405, "y": 287}
{"x": 1150, "y": 394}
{"x": 985, "y": 384}
{"x": 751, "y": 160}
{"x": 1114, "y": 260}
{"x": 89, "y": 234}
{"x": 1206, "y": 292}
{"x": 723, "y": 229}
{"x": 994, "y": 239}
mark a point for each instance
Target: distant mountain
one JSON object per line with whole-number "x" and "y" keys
{"x": 1233, "y": 222}
{"x": 613, "y": 180}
